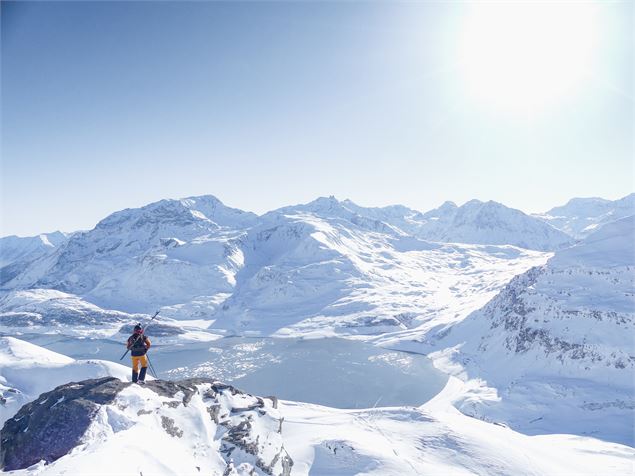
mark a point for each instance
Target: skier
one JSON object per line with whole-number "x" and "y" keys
{"x": 138, "y": 345}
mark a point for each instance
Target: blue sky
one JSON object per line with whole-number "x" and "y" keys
{"x": 116, "y": 104}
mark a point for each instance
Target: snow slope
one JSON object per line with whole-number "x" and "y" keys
{"x": 27, "y": 370}
{"x": 475, "y": 222}
{"x": 48, "y": 310}
{"x": 435, "y": 438}
{"x": 40, "y": 312}
{"x": 17, "y": 252}
{"x": 323, "y": 269}
{"x": 582, "y": 216}
{"x": 490, "y": 223}
{"x": 543, "y": 347}
{"x": 194, "y": 427}
{"x": 186, "y": 427}
{"x": 164, "y": 253}
{"x": 24, "y": 249}
{"x": 326, "y": 267}
{"x": 554, "y": 351}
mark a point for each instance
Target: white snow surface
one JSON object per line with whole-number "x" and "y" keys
{"x": 327, "y": 267}
{"x": 490, "y": 223}
{"x": 554, "y": 351}
{"x": 28, "y": 370}
{"x": 52, "y": 311}
{"x": 142, "y": 432}
{"x": 17, "y": 249}
{"x": 309, "y": 273}
{"x": 582, "y": 216}
{"x": 540, "y": 344}
{"x": 475, "y": 222}
{"x": 435, "y": 438}
{"x": 130, "y": 436}
{"x": 610, "y": 246}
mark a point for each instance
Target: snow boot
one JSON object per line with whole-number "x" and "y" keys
{"x": 135, "y": 376}
{"x": 142, "y": 374}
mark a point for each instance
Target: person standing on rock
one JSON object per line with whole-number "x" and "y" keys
{"x": 138, "y": 345}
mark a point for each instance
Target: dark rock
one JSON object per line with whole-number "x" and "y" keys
{"x": 274, "y": 400}
{"x": 171, "y": 404}
{"x": 213, "y": 411}
{"x": 167, "y": 388}
{"x": 53, "y": 425}
{"x": 170, "y": 428}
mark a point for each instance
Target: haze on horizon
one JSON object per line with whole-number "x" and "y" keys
{"x": 112, "y": 105}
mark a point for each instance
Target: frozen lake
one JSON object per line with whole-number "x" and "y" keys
{"x": 335, "y": 372}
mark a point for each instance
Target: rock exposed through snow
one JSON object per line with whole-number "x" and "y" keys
{"x": 231, "y": 431}
{"x": 560, "y": 336}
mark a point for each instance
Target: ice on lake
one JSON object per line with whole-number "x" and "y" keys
{"x": 334, "y": 372}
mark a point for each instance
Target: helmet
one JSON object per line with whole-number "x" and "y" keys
{"x": 138, "y": 329}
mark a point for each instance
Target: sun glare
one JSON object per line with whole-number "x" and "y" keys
{"x": 524, "y": 57}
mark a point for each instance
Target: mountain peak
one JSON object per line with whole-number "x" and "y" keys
{"x": 489, "y": 223}
{"x": 489, "y": 204}
{"x": 201, "y": 199}
{"x": 611, "y": 245}
{"x": 329, "y": 201}
{"x": 319, "y": 205}
{"x": 206, "y": 208}
{"x": 581, "y": 216}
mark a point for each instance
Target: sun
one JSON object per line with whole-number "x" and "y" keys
{"x": 524, "y": 57}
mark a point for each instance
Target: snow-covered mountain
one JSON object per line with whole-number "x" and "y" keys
{"x": 475, "y": 222}
{"x": 326, "y": 265}
{"x": 555, "y": 349}
{"x": 327, "y": 269}
{"x": 17, "y": 252}
{"x": 542, "y": 346}
{"x": 50, "y": 309}
{"x": 23, "y": 249}
{"x": 164, "y": 253}
{"x": 582, "y": 216}
{"x": 489, "y": 223}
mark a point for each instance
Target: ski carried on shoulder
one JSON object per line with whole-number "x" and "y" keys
{"x": 141, "y": 334}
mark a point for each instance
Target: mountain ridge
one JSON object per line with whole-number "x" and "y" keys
{"x": 581, "y": 216}
{"x": 561, "y": 332}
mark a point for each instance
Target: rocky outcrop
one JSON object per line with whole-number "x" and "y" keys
{"x": 561, "y": 335}
{"x": 559, "y": 313}
{"x": 247, "y": 428}
{"x": 54, "y": 424}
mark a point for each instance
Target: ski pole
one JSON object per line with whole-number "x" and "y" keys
{"x": 154, "y": 372}
{"x": 135, "y": 341}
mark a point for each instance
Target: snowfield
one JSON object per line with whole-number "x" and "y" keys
{"x": 185, "y": 428}
{"x": 332, "y": 307}
{"x": 554, "y": 351}
{"x": 27, "y": 370}
{"x": 436, "y": 439}
{"x": 582, "y": 216}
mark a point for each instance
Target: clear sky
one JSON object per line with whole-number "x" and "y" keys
{"x": 110, "y": 105}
